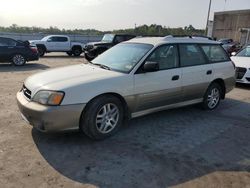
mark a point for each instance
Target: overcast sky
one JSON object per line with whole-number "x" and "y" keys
{"x": 111, "y": 14}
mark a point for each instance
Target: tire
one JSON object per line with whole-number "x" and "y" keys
{"x": 97, "y": 124}
{"x": 41, "y": 51}
{"x": 76, "y": 51}
{"x": 69, "y": 53}
{"x": 18, "y": 60}
{"x": 89, "y": 57}
{"x": 212, "y": 97}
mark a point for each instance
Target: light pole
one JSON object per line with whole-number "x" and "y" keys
{"x": 208, "y": 14}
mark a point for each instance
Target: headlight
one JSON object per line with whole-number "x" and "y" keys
{"x": 49, "y": 97}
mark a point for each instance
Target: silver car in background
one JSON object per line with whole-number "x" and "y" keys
{"x": 132, "y": 79}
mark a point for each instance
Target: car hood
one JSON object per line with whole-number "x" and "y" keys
{"x": 34, "y": 41}
{"x": 98, "y": 43}
{"x": 241, "y": 61}
{"x": 66, "y": 77}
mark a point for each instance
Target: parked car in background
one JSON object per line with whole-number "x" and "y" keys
{"x": 93, "y": 49}
{"x": 134, "y": 78}
{"x": 225, "y": 41}
{"x": 230, "y": 46}
{"x": 58, "y": 43}
{"x": 242, "y": 63}
{"x": 17, "y": 52}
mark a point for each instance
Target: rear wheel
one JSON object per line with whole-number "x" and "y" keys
{"x": 102, "y": 118}
{"x": 18, "y": 60}
{"x": 69, "y": 53}
{"x": 76, "y": 51}
{"x": 212, "y": 97}
{"x": 41, "y": 51}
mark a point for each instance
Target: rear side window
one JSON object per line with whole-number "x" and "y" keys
{"x": 7, "y": 42}
{"x": 191, "y": 55}
{"x": 58, "y": 39}
{"x": 215, "y": 53}
{"x": 62, "y": 39}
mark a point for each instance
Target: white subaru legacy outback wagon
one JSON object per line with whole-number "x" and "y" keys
{"x": 134, "y": 78}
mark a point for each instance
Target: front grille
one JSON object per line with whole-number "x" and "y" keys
{"x": 240, "y": 72}
{"x": 26, "y": 92}
{"x": 89, "y": 47}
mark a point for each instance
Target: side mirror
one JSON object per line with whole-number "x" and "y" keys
{"x": 49, "y": 40}
{"x": 151, "y": 66}
{"x": 233, "y": 54}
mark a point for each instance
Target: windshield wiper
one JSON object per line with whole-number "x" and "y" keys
{"x": 101, "y": 65}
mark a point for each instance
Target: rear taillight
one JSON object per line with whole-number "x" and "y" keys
{"x": 33, "y": 49}
{"x": 233, "y": 64}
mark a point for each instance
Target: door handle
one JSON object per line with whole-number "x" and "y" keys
{"x": 10, "y": 47}
{"x": 209, "y": 72}
{"x": 176, "y": 77}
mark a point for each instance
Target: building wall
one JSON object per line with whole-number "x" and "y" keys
{"x": 229, "y": 24}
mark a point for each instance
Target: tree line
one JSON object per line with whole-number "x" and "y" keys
{"x": 143, "y": 30}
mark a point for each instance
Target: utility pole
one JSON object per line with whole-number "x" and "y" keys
{"x": 208, "y": 14}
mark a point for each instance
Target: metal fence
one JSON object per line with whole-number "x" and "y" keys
{"x": 37, "y": 36}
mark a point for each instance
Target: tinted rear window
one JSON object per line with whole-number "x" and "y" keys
{"x": 215, "y": 53}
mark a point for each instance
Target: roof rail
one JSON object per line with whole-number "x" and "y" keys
{"x": 188, "y": 36}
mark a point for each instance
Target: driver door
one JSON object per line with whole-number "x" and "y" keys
{"x": 163, "y": 87}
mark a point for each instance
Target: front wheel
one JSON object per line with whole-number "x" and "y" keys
{"x": 18, "y": 60}
{"x": 212, "y": 97}
{"x": 41, "y": 51}
{"x": 102, "y": 118}
{"x": 89, "y": 57}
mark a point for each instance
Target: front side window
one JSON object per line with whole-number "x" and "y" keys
{"x": 215, "y": 53}
{"x": 123, "y": 57}
{"x": 245, "y": 52}
{"x": 119, "y": 39}
{"x": 166, "y": 56}
{"x": 191, "y": 55}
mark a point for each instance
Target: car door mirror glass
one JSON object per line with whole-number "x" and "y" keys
{"x": 151, "y": 66}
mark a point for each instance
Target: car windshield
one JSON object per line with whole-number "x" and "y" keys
{"x": 45, "y": 38}
{"x": 123, "y": 57}
{"x": 108, "y": 38}
{"x": 245, "y": 52}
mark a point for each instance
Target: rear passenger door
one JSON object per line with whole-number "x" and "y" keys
{"x": 222, "y": 66}
{"x": 196, "y": 71}
{"x": 163, "y": 87}
{"x": 7, "y": 49}
{"x": 63, "y": 44}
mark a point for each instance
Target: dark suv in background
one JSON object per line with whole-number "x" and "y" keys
{"x": 17, "y": 52}
{"x": 93, "y": 49}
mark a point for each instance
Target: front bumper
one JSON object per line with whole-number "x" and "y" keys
{"x": 50, "y": 118}
{"x": 32, "y": 57}
{"x": 245, "y": 79}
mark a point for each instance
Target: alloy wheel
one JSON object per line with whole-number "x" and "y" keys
{"x": 107, "y": 118}
{"x": 213, "y": 98}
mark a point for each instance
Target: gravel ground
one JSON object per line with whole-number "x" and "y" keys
{"x": 185, "y": 147}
